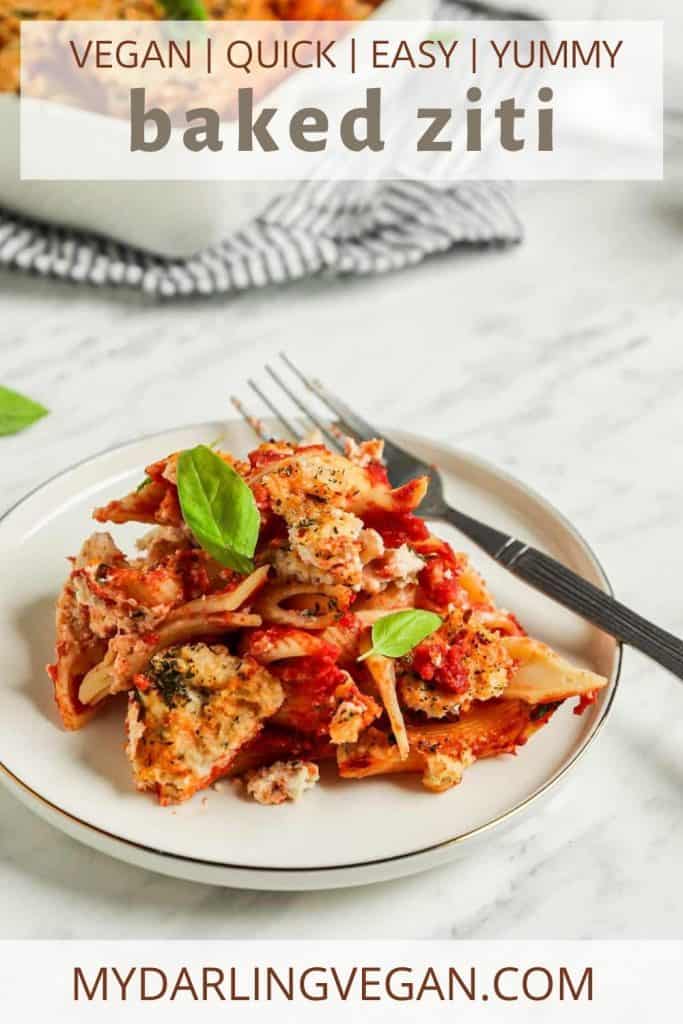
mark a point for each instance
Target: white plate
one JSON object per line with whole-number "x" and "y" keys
{"x": 343, "y": 832}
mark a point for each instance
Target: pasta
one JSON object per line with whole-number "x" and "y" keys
{"x": 12, "y": 13}
{"x": 265, "y": 674}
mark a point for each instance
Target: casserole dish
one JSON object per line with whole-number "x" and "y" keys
{"x": 173, "y": 219}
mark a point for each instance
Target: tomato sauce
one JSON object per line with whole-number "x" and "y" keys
{"x": 273, "y": 527}
{"x": 378, "y": 474}
{"x": 318, "y": 672}
{"x": 265, "y": 456}
{"x": 585, "y": 702}
{"x": 434, "y": 660}
{"x": 348, "y": 621}
{"x": 395, "y": 528}
{"x": 260, "y": 642}
{"x": 440, "y": 579}
{"x": 273, "y": 530}
{"x": 278, "y": 744}
{"x": 310, "y": 683}
{"x": 191, "y": 565}
{"x": 320, "y": 448}
{"x": 155, "y": 471}
{"x": 439, "y": 582}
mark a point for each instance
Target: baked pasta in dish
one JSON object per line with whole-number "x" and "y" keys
{"x": 291, "y": 609}
{"x": 13, "y": 12}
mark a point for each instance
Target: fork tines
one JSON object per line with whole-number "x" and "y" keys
{"x": 332, "y": 430}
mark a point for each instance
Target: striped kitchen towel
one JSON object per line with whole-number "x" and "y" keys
{"x": 399, "y": 225}
{"x": 313, "y": 230}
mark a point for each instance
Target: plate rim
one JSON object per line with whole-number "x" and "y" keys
{"x": 89, "y": 834}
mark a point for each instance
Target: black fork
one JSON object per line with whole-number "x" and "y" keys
{"x": 541, "y": 571}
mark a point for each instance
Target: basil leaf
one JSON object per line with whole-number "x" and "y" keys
{"x": 17, "y": 412}
{"x": 218, "y": 507}
{"x": 396, "y": 634}
{"x": 185, "y": 10}
{"x": 143, "y": 484}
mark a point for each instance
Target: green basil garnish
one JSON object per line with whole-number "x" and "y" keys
{"x": 185, "y": 10}
{"x": 218, "y": 507}
{"x": 17, "y": 412}
{"x": 396, "y": 634}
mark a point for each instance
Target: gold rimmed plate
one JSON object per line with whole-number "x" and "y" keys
{"x": 343, "y": 832}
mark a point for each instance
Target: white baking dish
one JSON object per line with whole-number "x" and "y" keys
{"x": 170, "y": 218}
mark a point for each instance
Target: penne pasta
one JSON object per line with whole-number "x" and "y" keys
{"x": 281, "y": 642}
{"x": 128, "y": 655}
{"x": 441, "y": 752}
{"x": 267, "y": 670}
{"x": 383, "y": 672}
{"x": 317, "y": 607}
{"x": 542, "y": 676}
{"x": 218, "y": 604}
{"x": 78, "y": 652}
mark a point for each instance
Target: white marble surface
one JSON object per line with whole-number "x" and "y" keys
{"x": 561, "y": 361}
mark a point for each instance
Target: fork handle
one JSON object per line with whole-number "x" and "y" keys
{"x": 564, "y": 586}
{"x": 567, "y": 588}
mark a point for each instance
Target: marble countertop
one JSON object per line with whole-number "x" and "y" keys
{"x": 560, "y": 361}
